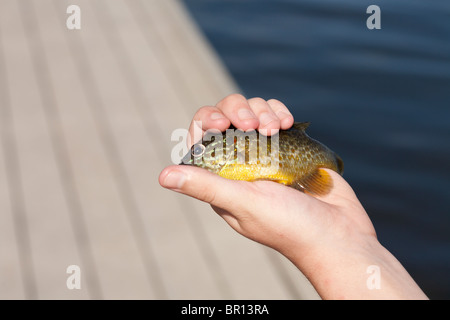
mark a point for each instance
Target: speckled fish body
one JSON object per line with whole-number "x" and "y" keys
{"x": 290, "y": 157}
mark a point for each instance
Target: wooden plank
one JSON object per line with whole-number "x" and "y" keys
{"x": 13, "y": 274}
{"x": 11, "y": 271}
{"x": 185, "y": 58}
{"x": 117, "y": 245}
{"x": 203, "y": 60}
{"x": 155, "y": 94}
{"x": 46, "y": 211}
{"x": 141, "y": 152}
{"x": 11, "y": 279}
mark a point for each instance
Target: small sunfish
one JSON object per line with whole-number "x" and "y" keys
{"x": 289, "y": 157}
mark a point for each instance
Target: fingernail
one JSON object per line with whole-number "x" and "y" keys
{"x": 174, "y": 180}
{"x": 245, "y": 114}
{"x": 216, "y": 116}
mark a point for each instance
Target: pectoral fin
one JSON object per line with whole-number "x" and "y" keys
{"x": 318, "y": 182}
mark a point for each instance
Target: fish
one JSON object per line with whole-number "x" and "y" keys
{"x": 290, "y": 157}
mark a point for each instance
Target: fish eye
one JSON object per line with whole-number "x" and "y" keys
{"x": 197, "y": 150}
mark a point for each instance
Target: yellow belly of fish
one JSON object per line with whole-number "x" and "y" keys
{"x": 255, "y": 172}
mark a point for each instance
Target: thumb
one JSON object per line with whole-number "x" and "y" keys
{"x": 205, "y": 186}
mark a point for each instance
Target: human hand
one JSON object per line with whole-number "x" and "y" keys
{"x": 323, "y": 236}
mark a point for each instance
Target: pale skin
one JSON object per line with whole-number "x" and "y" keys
{"x": 330, "y": 239}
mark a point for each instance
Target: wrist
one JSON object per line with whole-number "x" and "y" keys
{"x": 362, "y": 270}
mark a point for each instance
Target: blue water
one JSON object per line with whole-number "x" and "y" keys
{"x": 379, "y": 98}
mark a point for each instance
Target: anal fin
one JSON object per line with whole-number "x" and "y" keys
{"x": 318, "y": 182}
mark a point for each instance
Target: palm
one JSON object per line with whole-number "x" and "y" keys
{"x": 274, "y": 211}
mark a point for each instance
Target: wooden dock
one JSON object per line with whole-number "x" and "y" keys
{"x": 86, "y": 118}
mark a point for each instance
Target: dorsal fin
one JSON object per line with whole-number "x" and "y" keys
{"x": 301, "y": 125}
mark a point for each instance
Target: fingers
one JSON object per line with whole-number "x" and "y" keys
{"x": 256, "y": 113}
